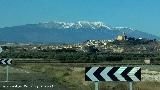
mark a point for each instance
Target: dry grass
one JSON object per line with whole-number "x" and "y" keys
{"x": 73, "y": 78}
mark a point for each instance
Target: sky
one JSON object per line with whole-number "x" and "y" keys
{"x": 143, "y": 15}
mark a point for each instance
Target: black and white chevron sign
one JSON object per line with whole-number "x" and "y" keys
{"x": 113, "y": 74}
{"x": 6, "y": 61}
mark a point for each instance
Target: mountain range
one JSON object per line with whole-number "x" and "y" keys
{"x": 64, "y": 32}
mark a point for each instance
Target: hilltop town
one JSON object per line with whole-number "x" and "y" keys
{"x": 120, "y": 49}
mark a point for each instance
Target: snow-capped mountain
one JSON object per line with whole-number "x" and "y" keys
{"x": 64, "y": 32}
{"x": 76, "y": 25}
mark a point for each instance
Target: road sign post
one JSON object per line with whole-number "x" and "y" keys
{"x": 130, "y": 86}
{"x": 128, "y": 74}
{"x": 96, "y": 86}
{"x": 7, "y": 74}
{"x": 6, "y": 62}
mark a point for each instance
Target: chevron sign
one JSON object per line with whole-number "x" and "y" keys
{"x": 6, "y": 61}
{"x": 113, "y": 74}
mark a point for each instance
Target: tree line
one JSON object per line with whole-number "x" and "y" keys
{"x": 71, "y": 55}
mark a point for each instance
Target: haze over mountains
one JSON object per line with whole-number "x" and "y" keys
{"x": 63, "y": 32}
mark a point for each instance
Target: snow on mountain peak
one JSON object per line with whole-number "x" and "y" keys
{"x": 120, "y": 28}
{"x": 81, "y": 24}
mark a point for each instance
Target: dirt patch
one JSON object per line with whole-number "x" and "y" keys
{"x": 148, "y": 75}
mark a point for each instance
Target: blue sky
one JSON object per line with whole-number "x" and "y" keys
{"x": 143, "y": 15}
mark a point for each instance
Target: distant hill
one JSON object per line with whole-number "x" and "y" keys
{"x": 62, "y": 32}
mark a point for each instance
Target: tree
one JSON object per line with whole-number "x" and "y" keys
{"x": 91, "y": 49}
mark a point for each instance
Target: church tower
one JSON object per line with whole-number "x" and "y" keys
{"x": 124, "y": 35}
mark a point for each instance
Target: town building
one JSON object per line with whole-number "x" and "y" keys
{"x": 121, "y": 37}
